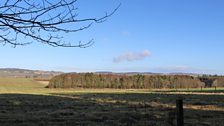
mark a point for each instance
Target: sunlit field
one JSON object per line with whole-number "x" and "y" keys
{"x": 28, "y": 102}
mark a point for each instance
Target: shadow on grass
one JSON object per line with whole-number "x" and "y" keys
{"x": 103, "y": 109}
{"x": 204, "y": 90}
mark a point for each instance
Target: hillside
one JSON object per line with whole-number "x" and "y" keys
{"x": 25, "y": 73}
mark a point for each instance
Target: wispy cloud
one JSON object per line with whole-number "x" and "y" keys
{"x": 126, "y": 33}
{"x": 130, "y": 56}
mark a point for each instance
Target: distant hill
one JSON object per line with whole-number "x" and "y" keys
{"x": 16, "y": 72}
{"x": 146, "y": 73}
{"x": 126, "y": 73}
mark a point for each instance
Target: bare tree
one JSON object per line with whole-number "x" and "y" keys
{"x": 42, "y": 21}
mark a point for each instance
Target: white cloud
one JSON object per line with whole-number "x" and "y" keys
{"x": 130, "y": 56}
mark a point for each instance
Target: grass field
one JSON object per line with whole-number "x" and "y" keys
{"x": 27, "y": 102}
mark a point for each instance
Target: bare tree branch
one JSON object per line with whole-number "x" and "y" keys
{"x": 43, "y": 21}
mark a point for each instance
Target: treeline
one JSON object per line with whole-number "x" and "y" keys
{"x": 121, "y": 81}
{"x": 212, "y": 81}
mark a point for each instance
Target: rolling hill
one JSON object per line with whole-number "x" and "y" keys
{"x": 26, "y": 73}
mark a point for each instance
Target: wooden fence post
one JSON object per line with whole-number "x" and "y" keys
{"x": 179, "y": 112}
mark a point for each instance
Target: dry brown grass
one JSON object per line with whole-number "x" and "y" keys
{"x": 25, "y": 102}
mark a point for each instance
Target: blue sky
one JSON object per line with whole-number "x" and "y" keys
{"x": 144, "y": 35}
